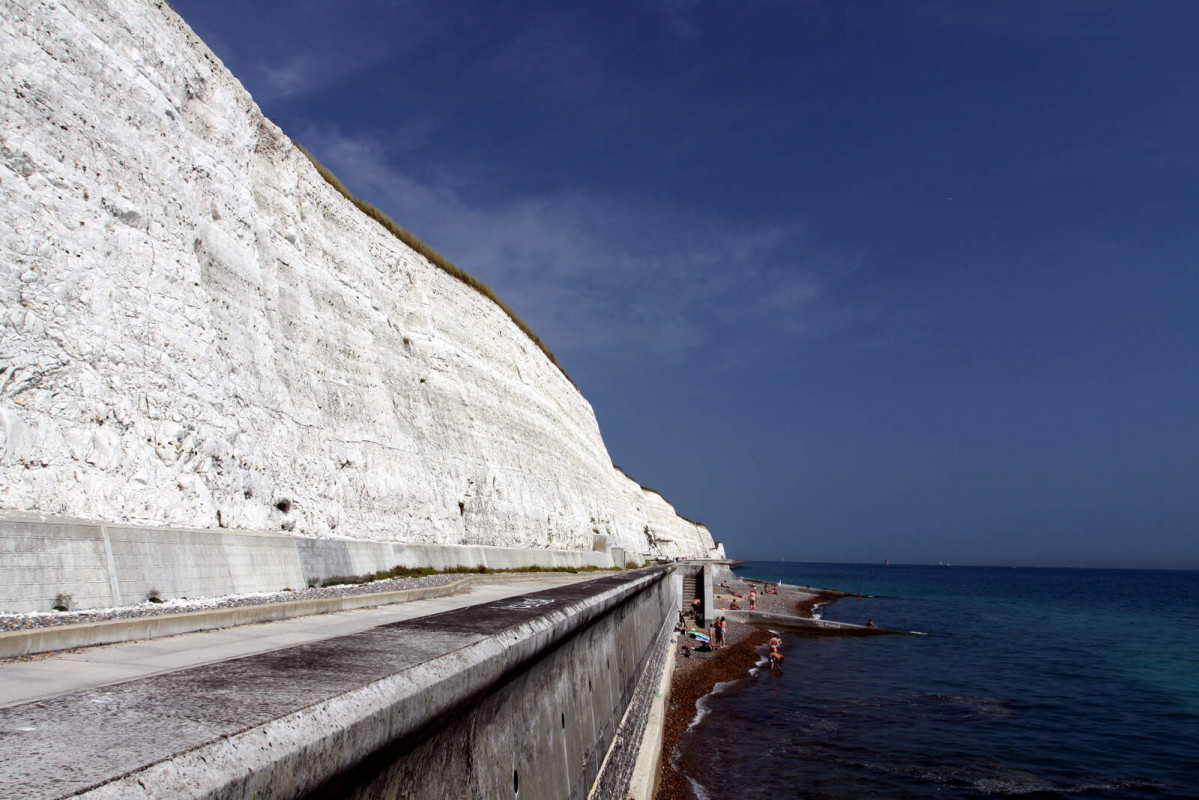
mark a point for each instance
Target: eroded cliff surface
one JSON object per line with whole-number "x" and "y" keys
{"x": 197, "y": 330}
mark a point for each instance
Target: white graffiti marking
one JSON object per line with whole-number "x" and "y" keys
{"x": 527, "y": 603}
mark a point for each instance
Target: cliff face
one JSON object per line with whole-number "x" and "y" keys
{"x": 196, "y": 330}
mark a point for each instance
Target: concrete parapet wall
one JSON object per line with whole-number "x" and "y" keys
{"x": 543, "y": 733}
{"x": 103, "y": 565}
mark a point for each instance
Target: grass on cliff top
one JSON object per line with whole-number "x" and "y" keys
{"x": 421, "y": 572}
{"x": 435, "y": 258}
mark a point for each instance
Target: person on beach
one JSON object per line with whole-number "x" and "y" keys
{"x": 776, "y": 661}
{"x": 734, "y": 607}
{"x": 870, "y": 623}
{"x": 753, "y": 600}
{"x": 774, "y": 644}
{"x": 718, "y": 632}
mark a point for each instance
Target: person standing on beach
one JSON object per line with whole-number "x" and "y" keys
{"x": 753, "y": 600}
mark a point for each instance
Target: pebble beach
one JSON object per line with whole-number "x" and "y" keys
{"x": 697, "y": 676}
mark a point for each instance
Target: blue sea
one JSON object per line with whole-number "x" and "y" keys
{"x": 1037, "y": 683}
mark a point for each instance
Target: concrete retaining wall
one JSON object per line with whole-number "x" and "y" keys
{"x": 103, "y": 565}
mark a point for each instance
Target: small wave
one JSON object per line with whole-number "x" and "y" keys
{"x": 1107, "y": 785}
{"x": 698, "y": 788}
{"x": 971, "y": 705}
{"x": 701, "y": 711}
{"x": 998, "y": 779}
{"x": 701, "y": 705}
{"x": 986, "y": 778}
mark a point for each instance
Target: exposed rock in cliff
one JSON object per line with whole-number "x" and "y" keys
{"x": 197, "y": 330}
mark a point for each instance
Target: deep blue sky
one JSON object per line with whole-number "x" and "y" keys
{"x": 847, "y": 281}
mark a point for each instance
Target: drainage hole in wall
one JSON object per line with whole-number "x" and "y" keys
{"x": 589, "y": 684}
{"x": 563, "y": 720}
{"x": 515, "y": 782}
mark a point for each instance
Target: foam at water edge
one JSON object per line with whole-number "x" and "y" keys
{"x": 698, "y": 788}
{"x": 701, "y": 711}
{"x": 762, "y": 661}
{"x": 701, "y": 705}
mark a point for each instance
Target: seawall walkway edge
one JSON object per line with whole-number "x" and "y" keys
{"x": 639, "y": 735}
{"x": 292, "y": 755}
{"x": 643, "y": 783}
{"x": 14, "y": 644}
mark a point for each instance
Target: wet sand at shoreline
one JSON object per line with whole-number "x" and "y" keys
{"x": 696, "y": 676}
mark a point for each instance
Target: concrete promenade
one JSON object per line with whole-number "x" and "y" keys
{"x": 55, "y": 674}
{"x": 514, "y": 690}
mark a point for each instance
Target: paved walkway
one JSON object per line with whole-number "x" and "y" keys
{"x": 306, "y": 717}
{"x": 49, "y": 676}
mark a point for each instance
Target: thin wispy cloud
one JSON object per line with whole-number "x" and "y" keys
{"x": 680, "y": 18}
{"x": 339, "y": 43}
{"x": 550, "y": 54}
{"x": 600, "y": 277}
{"x": 294, "y": 77}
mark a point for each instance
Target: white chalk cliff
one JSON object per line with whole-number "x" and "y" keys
{"x": 197, "y": 330}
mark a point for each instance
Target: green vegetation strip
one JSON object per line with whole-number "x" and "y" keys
{"x": 435, "y": 258}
